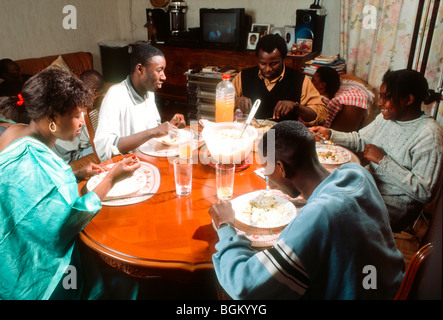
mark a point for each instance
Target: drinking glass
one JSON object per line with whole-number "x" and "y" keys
{"x": 241, "y": 118}
{"x": 183, "y": 176}
{"x": 225, "y": 180}
{"x": 185, "y": 140}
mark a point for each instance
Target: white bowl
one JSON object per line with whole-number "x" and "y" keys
{"x": 223, "y": 142}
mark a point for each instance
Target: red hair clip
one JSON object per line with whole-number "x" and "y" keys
{"x": 20, "y": 100}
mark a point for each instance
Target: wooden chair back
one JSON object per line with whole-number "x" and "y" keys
{"x": 412, "y": 276}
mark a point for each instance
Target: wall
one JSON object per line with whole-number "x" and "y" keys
{"x": 278, "y": 13}
{"x": 34, "y": 28}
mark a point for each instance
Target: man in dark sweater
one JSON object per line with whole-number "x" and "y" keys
{"x": 284, "y": 92}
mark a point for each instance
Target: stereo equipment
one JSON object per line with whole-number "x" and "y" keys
{"x": 310, "y": 25}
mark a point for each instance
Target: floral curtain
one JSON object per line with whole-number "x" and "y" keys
{"x": 376, "y": 36}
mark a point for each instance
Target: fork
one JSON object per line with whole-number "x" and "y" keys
{"x": 323, "y": 139}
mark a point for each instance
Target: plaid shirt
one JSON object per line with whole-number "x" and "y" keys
{"x": 351, "y": 93}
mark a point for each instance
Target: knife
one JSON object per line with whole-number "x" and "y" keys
{"x": 130, "y": 196}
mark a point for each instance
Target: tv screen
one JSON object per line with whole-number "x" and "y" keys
{"x": 223, "y": 28}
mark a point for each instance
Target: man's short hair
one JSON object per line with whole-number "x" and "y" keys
{"x": 294, "y": 145}
{"x": 141, "y": 54}
{"x": 270, "y": 42}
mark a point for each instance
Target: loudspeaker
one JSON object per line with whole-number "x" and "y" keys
{"x": 161, "y": 22}
{"x": 310, "y": 25}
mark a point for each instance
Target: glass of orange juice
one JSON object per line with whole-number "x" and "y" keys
{"x": 185, "y": 140}
{"x": 225, "y": 180}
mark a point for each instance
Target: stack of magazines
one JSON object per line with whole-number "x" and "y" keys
{"x": 325, "y": 61}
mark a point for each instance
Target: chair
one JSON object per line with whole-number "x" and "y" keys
{"x": 413, "y": 274}
{"x": 428, "y": 212}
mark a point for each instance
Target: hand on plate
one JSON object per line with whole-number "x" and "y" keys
{"x": 91, "y": 169}
{"x": 323, "y": 131}
{"x": 164, "y": 129}
{"x": 124, "y": 168}
{"x": 222, "y": 212}
{"x": 284, "y": 107}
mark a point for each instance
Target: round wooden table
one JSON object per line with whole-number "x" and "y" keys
{"x": 166, "y": 235}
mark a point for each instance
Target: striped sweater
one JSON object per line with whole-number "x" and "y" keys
{"x": 324, "y": 253}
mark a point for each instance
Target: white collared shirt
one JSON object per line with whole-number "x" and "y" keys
{"x": 123, "y": 113}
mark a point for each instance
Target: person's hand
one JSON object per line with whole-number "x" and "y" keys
{"x": 244, "y": 104}
{"x": 284, "y": 107}
{"x": 373, "y": 153}
{"x": 178, "y": 120}
{"x": 124, "y": 168}
{"x": 119, "y": 171}
{"x": 91, "y": 169}
{"x": 164, "y": 129}
{"x": 323, "y": 131}
{"x": 222, "y": 212}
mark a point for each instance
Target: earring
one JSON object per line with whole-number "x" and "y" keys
{"x": 52, "y": 127}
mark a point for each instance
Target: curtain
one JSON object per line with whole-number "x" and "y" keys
{"x": 376, "y": 35}
{"x": 372, "y": 48}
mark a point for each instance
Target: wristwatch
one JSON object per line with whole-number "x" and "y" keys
{"x": 224, "y": 224}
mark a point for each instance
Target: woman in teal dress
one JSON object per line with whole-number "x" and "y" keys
{"x": 41, "y": 211}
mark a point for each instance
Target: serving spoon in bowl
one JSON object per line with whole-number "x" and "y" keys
{"x": 251, "y": 115}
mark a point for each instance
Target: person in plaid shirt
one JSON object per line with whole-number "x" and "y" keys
{"x": 346, "y": 100}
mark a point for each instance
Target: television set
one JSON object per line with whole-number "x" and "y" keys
{"x": 225, "y": 29}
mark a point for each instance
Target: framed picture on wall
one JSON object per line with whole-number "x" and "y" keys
{"x": 262, "y": 29}
{"x": 289, "y": 36}
{"x": 252, "y": 40}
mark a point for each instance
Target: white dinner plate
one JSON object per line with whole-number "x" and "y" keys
{"x": 331, "y": 154}
{"x": 275, "y": 219}
{"x": 156, "y": 149}
{"x": 167, "y": 141}
{"x": 124, "y": 187}
{"x": 150, "y": 185}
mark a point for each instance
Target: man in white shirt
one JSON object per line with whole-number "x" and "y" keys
{"x": 128, "y": 115}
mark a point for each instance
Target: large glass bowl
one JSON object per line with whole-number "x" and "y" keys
{"x": 223, "y": 142}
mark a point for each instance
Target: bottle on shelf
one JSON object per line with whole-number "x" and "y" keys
{"x": 225, "y": 100}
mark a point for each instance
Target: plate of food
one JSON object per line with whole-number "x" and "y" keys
{"x": 263, "y": 125}
{"x": 173, "y": 140}
{"x": 142, "y": 185}
{"x": 331, "y": 154}
{"x": 124, "y": 187}
{"x": 168, "y": 140}
{"x": 262, "y": 213}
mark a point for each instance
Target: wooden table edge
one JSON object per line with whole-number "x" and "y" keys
{"x": 142, "y": 267}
